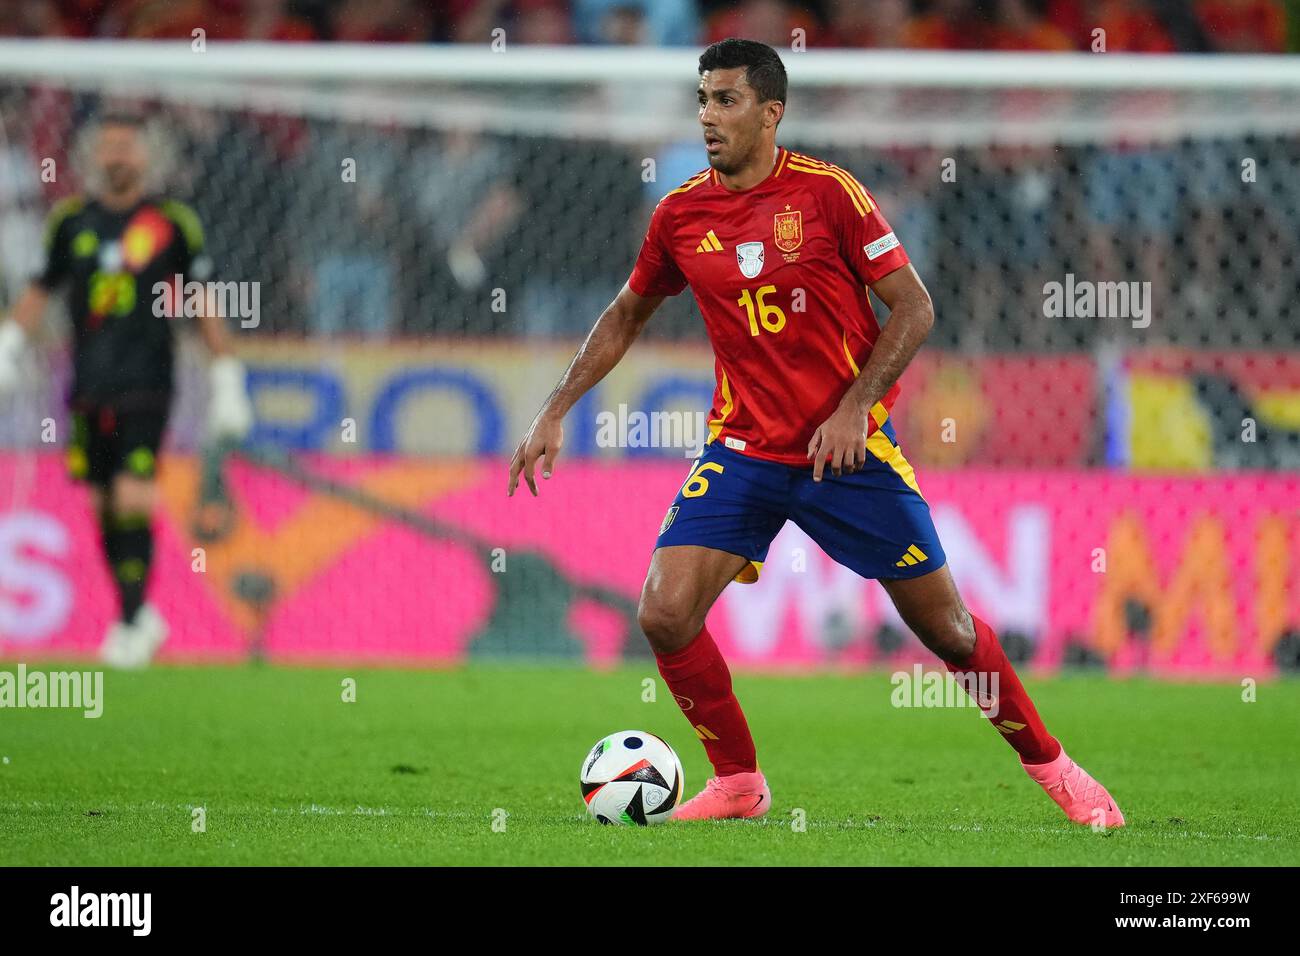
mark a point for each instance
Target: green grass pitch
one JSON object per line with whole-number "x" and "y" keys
{"x": 414, "y": 771}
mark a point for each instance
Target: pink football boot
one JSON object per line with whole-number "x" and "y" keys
{"x": 724, "y": 798}
{"x": 1083, "y": 799}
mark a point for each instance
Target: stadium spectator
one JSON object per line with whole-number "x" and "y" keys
{"x": 1152, "y": 26}
{"x": 1130, "y": 26}
{"x": 1243, "y": 26}
{"x": 22, "y": 210}
{"x": 267, "y": 20}
{"x": 1182, "y": 25}
{"x": 1132, "y": 197}
{"x": 30, "y": 18}
{"x": 657, "y": 22}
{"x": 1018, "y": 27}
{"x": 381, "y": 21}
{"x": 472, "y": 21}
{"x": 348, "y": 185}
{"x": 558, "y": 258}
{"x": 543, "y": 22}
{"x": 524, "y": 21}
{"x": 773, "y": 22}
{"x": 204, "y": 140}
{"x": 164, "y": 19}
{"x": 466, "y": 205}
{"x": 949, "y": 25}
{"x": 623, "y": 26}
{"x": 887, "y": 24}
{"x": 81, "y": 18}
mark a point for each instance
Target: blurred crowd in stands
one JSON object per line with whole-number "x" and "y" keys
{"x": 1259, "y": 26}
{"x": 443, "y": 217}
{"x": 439, "y": 222}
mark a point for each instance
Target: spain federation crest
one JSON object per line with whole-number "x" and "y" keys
{"x": 749, "y": 256}
{"x": 788, "y": 230}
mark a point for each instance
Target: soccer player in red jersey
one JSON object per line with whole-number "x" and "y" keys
{"x": 779, "y": 250}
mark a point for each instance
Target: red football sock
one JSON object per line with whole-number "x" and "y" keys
{"x": 1015, "y": 715}
{"x": 699, "y": 679}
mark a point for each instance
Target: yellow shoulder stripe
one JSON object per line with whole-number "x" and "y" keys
{"x": 850, "y": 180}
{"x": 855, "y": 189}
{"x": 188, "y": 222}
{"x": 62, "y": 210}
{"x": 691, "y": 183}
{"x": 857, "y": 203}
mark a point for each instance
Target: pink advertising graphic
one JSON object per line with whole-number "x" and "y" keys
{"x": 410, "y": 561}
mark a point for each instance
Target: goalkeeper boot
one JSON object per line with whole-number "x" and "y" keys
{"x": 117, "y": 647}
{"x": 149, "y": 632}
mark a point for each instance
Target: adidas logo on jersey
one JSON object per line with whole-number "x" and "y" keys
{"x": 913, "y": 555}
{"x": 710, "y": 244}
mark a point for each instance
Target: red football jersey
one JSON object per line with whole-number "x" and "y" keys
{"x": 780, "y": 273}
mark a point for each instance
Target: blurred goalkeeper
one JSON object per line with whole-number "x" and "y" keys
{"x": 110, "y": 250}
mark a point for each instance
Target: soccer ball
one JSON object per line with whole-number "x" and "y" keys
{"x": 631, "y": 778}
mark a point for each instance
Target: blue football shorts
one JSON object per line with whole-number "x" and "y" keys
{"x": 874, "y": 521}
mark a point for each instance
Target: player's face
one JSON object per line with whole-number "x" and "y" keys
{"x": 732, "y": 117}
{"x": 121, "y": 158}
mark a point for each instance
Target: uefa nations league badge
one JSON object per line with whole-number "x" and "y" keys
{"x": 749, "y": 256}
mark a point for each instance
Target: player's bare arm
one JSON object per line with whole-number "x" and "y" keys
{"x": 30, "y": 307}
{"x": 842, "y": 438}
{"x": 606, "y": 344}
{"x": 212, "y": 330}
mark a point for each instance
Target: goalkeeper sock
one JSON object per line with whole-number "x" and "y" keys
{"x": 995, "y": 687}
{"x": 128, "y": 543}
{"x": 700, "y": 681}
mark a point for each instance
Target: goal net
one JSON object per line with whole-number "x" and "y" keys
{"x": 1105, "y": 420}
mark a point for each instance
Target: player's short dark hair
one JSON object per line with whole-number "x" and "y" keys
{"x": 764, "y": 70}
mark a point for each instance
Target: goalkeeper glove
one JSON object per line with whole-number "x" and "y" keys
{"x": 230, "y": 413}
{"x": 13, "y": 340}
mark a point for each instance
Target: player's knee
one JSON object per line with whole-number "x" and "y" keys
{"x": 948, "y": 635}
{"x": 667, "y": 625}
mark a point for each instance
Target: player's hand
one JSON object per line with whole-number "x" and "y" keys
{"x": 544, "y": 440}
{"x": 841, "y": 440}
{"x": 12, "y": 343}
